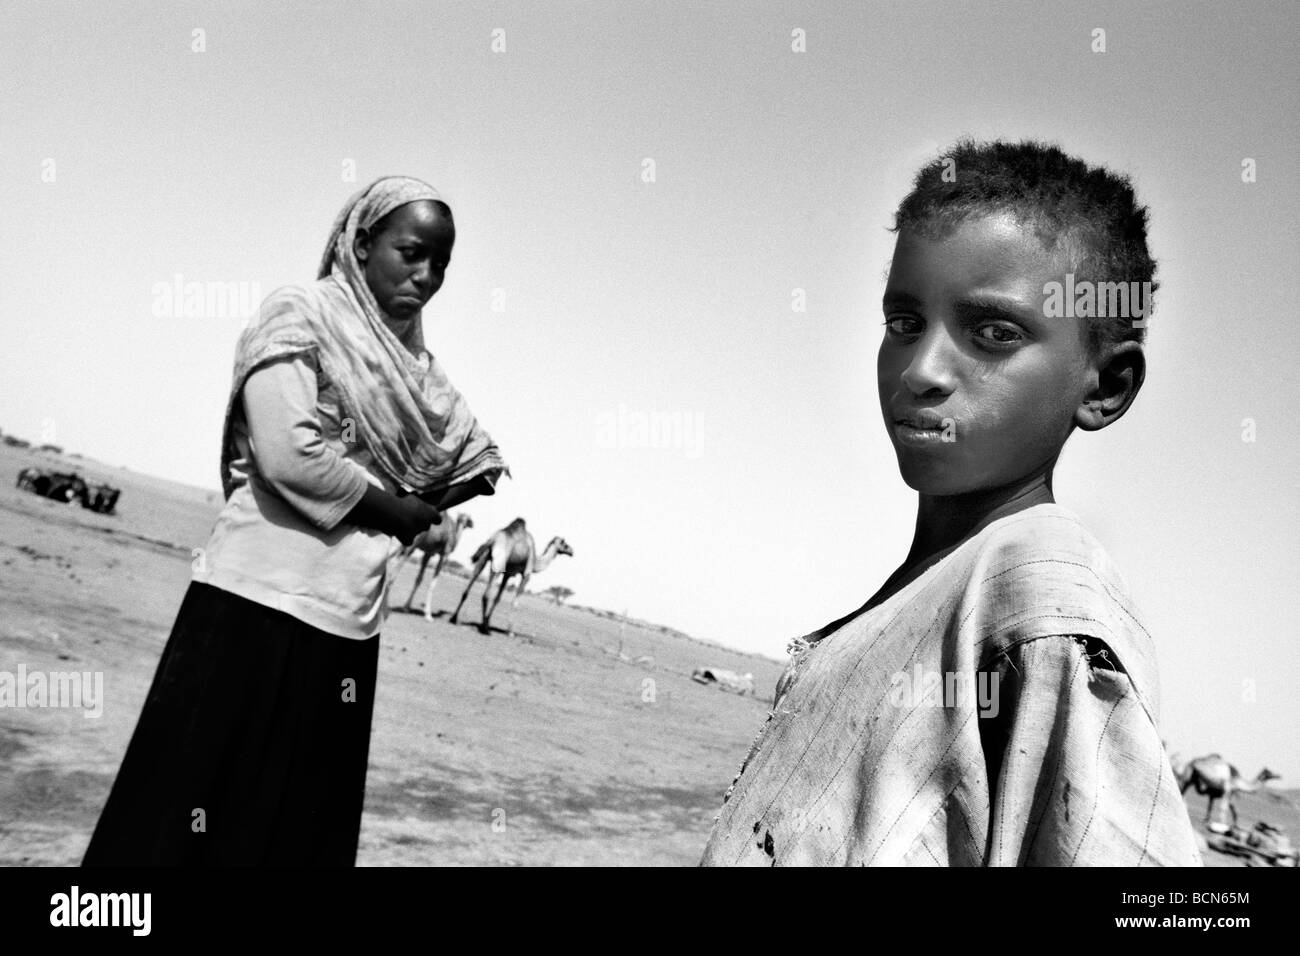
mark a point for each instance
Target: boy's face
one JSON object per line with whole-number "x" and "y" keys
{"x": 978, "y": 387}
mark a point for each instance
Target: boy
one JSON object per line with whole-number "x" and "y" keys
{"x": 995, "y": 702}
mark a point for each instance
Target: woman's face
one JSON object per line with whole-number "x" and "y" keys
{"x": 405, "y": 256}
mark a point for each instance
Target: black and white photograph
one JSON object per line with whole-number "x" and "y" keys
{"x": 592, "y": 434}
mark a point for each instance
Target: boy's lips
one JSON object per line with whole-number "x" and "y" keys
{"x": 922, "y": 418}
{"x": 922, "y": 427}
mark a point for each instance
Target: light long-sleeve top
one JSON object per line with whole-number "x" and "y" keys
{"x": 280, "y": 540}
{"x": 1000, "y": 709}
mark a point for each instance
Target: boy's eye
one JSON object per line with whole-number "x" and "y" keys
{"x": 903, "y": 324}
{"x": 999, "y": 333}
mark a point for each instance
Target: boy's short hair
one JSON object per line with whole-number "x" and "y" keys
{"x": 1090, "y": 209}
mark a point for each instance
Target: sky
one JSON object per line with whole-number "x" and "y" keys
{"x": 645, "y": 194}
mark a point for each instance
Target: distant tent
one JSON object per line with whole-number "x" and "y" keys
{"x": 725, "y": 679}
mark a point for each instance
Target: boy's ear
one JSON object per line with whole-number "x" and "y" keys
{"x": 1121, "y": 370}
{"x": 361, "y": 245}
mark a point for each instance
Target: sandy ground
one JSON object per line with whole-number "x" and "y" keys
{"x": 542, "y": 748}
{"x": 546, "y": 747}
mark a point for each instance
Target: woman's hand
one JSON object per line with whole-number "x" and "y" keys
{"x": 447, "y": 498}
{"x": 414, "y": 519}
{"x": 404, "y": 516}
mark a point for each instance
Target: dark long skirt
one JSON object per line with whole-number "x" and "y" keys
{"x": 251, "y": 748}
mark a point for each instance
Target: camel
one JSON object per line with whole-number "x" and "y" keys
{"x": 439, "y": 541}
{"x": 509, "y": 553}
{"x": 1219, "y": 780}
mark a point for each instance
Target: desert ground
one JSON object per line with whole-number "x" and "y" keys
{"x": 578, "y": 740}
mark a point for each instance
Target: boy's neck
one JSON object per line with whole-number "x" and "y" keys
{"x": 942, "y": 522}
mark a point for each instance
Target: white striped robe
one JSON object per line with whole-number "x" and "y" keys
{"x": 861, "y": 762}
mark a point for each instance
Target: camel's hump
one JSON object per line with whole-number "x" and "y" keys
{"x": 516, "y": 525}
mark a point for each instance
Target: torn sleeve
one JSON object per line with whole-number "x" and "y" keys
{"x": 1077, "y": 771}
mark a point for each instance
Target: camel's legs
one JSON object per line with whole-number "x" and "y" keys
{"x": 520, "y": 586}
{"x": 428, "y": 596}
{"x": 502, "y": 592}
{"x": 487, "y": 597}
{"x": 487, "y": 615}
{"x": 424, "y": 563}
{"x": 478, "y": 569}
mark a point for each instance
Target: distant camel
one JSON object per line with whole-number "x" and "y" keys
{"x": 1217, "y": 779}
{"x": 439, "y": 541}
{"x": 509, "y": 553}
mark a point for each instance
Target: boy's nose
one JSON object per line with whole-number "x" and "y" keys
{"x": 931, "y": 366}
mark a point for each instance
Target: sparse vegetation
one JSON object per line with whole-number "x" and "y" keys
{"x": 558, "y": 593}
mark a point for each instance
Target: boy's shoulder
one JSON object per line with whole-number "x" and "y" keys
{"x": 1049, "y": 534}
{"x": 1041, "y": 573}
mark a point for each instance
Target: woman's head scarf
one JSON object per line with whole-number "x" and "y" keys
{"x": 416, "y": 425}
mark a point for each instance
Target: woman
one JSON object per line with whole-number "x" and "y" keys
{"x": 343, "y": 440}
